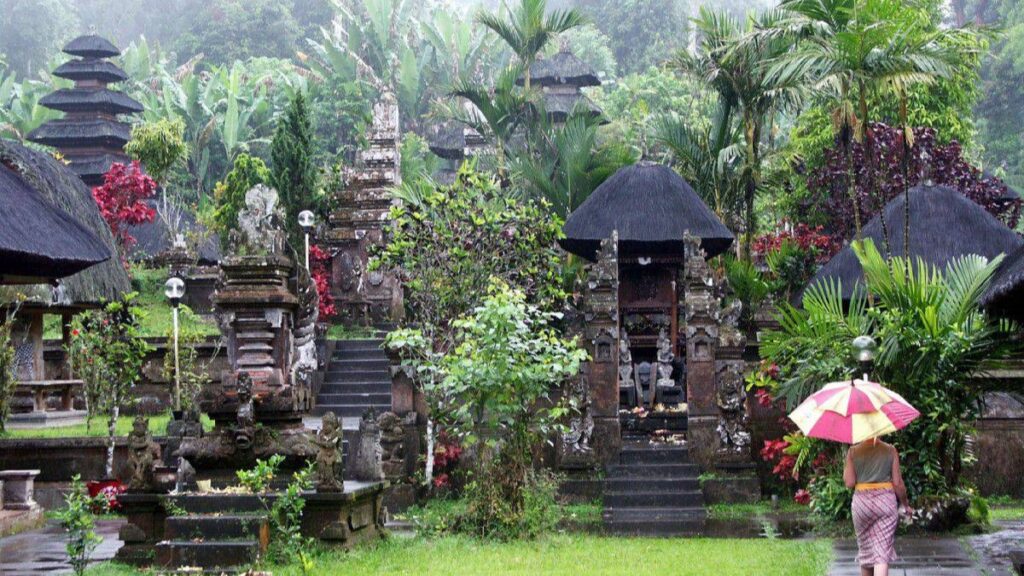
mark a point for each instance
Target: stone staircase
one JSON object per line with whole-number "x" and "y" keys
{"x": 653, "y": 490}
{"x": 358, "y": 378}
{"x": 215, "y": 542}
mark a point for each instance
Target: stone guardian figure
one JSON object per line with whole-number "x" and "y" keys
{"x": 329, "y": 465}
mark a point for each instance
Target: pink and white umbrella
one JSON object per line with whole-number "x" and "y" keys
{"x": 853, "y": 411}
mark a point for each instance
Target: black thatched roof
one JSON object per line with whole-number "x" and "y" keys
{"x": 62, "y": 189}
{"x": 82, "y": 133}
{"x": 562, "y": 68}
{"x": 447, "y": 140}
{"x": 92, "y": 167}
{"x": 38, "y": 242}
{"x": 91, "y": 69}
{"x": 91, "y": 46}
{"x": 154, "y": 238}
{"x": 85, "y": 100}
{"x": 652, "y": 207}
{"x": 560, "y": 105}
{"x": 944, "y": 225}
{"x": 1005, "y": 295}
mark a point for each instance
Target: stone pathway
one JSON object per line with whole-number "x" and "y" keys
{"x": 42, "y": 551}
{"x": 975, "y": 556}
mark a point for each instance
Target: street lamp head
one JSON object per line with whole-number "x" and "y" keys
{"x": 306, "y": 220}
{"x": 174, "y": 289}
{"x": 864, "y": 348}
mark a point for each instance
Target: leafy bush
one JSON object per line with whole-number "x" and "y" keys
{"x": 286, "y": 518}
{"x": 8, "y": 378}
{"x": 77, "y": 520}
{"x": 192, "y": 374}
{"x": 260, "y": 476}
{"x": 933, "y": 342}
{"x": 122, "y": 200}
{"x": 229, "y": 195}
{"x": 158, "y": 145}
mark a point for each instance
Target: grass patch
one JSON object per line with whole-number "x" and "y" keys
{"x": 762, "y": 508}
{"x": 1007, "y": 512}
{"x": 566, "y": 555}
{"x": 342, "y": 332}
{"x": 588, "y": 513}
{"x": 98, "y": 427}
{"x": 154, "y": 310}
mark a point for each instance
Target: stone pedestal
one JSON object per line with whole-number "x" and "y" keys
{"x": 143, "y": 529}
{"x": 19, "y": 489}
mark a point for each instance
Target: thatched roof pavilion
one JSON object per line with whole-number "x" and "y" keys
{"x": 1005, "y": 295}
{"x": 944, "y": 225}
{"x": 560, "y": 68}
{"x": 652, "y": 207}
{"x": 39, "y": 243}
{"x": 61, "y": 188}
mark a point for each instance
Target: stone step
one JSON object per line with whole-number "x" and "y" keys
{"x": 358, "y": 376}
{"x": 348, "y": 411}
{"x": 622, "y": 471}
{"x": 341, "y": 364}
{"x": 356, "y": 388}
{"x": 207, "y": 555}
{"x": 218, "y": 527}
{"x": 368, "y": 344}
{"x": 637, "y": 499}
{"x": 666, "y": 528}
{"x": 355, "y": 399}
{"x": 220, "y": 504}
{"x": 654, "y": 455}
{"x": 651, "y": 484}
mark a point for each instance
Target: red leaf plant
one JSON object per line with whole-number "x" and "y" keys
{"x": 320, "y": 269}
{"x": 122, "y": 200}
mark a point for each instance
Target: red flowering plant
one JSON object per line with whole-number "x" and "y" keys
{"x": 447, "y": 452}
{"x": 122, "y": 200}
{"x": 791, "y": 255}
{"x": 320, "y": 269}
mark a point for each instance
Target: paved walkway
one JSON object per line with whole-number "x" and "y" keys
{"x": 983, "y": 555}
{"x": 42, "y": 551}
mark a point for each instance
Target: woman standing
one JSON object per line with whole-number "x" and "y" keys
{"x": 873, "y": 471}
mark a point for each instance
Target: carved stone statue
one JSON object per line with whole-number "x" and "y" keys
{"x": 329, "y": 464}
{"x": 186, "y": 477}
{"x": 626, "y": 377}
{"x": 665, "y": 358}
{"x": 577, "y": 440}
{"x": 731, "y": 398}
{"x": 260, "y": 225}
{"x": 729, "y": 333}
{"x": 143, "y": 455}
{"x": 367, "y": 463}
{"x": 304, "y": 356}
{"x": 245, "y": 422}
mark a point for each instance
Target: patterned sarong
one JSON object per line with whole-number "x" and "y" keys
{"x": 875, "y": 517}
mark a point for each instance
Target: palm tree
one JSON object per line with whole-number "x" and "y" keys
{"x": 854, "y": 47}
{"x": 708, "y": 157}
{"x": 730, "y": 59}
{"x": 528, "y": 29}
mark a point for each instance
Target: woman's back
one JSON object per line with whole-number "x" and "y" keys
{"x": 872, "y": 462}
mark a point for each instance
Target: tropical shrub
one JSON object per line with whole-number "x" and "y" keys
{"x": 77, "y": 520}
{"x": 293, "y": 173}
{"x": 122, "y": 200}
{"x": 258, "y": 478}
{"x": 229, "y": 195}
{"x": 497, "y": 390}
{"x": 106, "y": 351}
{"x": 320, "y": 269}
{"x": 192, "y": 373}
{"x": 288, "y": 543}
{"x": 158, "y": 145}
{"x": 934, "y": 347}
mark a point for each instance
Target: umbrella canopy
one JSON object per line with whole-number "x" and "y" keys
{"x": 38, "y": 242}
{"x": 853, "y": 411}
{"x": 944, "y": 225}
{"x": 652, "y": 208}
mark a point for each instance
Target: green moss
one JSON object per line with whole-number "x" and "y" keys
{"x": 558, "y": 555}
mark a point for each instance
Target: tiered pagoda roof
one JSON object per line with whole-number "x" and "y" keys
{"x": 562, "y": 77}
{"x": 90, "y": 136}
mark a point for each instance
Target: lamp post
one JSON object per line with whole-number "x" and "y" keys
{"x": 864, "y": 348}
{"x": 306, "y": 221}
{"x": 174, "y": 289}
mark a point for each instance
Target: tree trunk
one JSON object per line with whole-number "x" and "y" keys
{"x": 108, "y": 467}
{"x": 428, "y": 472}
{"x": 753, "y": 135}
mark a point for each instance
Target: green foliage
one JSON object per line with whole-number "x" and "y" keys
{"x": 830, "y": 498}
{"x": 259, "y": 477}
{"x": 640, "y": 32}
{"x": 418, "y": 162}
{"x": 286, "y": 519}
{"x": 294, "y": 175}
{"x": 8, "y": 375}
{"x": 229, "y": 30}
{"x": 159, "y": 146}
{"x": 490, "y": 514}
{"x": 192, "y": 374}
{"x": 33, "y": 31}
{"x": 20, "y": 110}
{"x": 107, "y": 351}
{"x": 747, "y": 283}
{"x": 934, "y": 346}
{"x": 248, "y": 171}
{"x": 591, "y": 46}
{"x": 77, "y": 520}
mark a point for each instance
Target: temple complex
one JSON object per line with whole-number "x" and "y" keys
{"x": 91, "y": 137}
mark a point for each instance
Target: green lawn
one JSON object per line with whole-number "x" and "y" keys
{"x": 157, "y": 427}
{"x": 154, "y": 311}
{"x": 567, "y": 555}
{"x": 1006, "y": 509}
{"x": 762, "y": 508}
